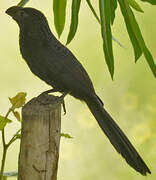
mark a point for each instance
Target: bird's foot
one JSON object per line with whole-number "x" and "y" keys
{"x": 63, "y": 102}
{"x": 51, "y": 98}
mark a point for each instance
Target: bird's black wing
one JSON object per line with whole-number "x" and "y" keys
{"x": 67, "y": 70}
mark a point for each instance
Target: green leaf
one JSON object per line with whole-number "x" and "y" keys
{"x": 59, "y": 9}
{"x": 18, "y": 100}
{"x": 135, "y": 5}
{"x": 105, "y": 16}
{"x": 17, "y": 115}
{"x": 93, "y": 11}
{"x": 136, "y": 36}
{"x": 136, "y": 47}
{"x": 74, "y": 20}
{"x": 66, "y": 135}
{"x": 22, "y": 3}
{"x": 113, "y": 8}
{"x": 153, "y": 2}
{"x": 3, "y": 122}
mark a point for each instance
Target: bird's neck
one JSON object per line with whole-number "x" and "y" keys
{"x": 34, "y": 38}
{"x": 33, "y": 33}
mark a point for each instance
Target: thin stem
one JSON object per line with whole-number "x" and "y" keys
{"x": 13, "y": 138}
{"x": 22, "y": 3}
{"x": 3, "y": 132}
{"x": 5, "y": 147}
{"x": 7, "y": 114}
{"x": 3, "y": 138}
{"x": 3, "y": 162}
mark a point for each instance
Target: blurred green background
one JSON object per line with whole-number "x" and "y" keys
{"x": 130, "y": 98}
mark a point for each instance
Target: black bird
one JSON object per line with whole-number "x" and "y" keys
{"x": 52, "y": 62}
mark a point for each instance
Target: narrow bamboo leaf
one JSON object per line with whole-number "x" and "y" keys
{"x": 105, "y": 16}
{"x": 135, "y": 5}
{"x": 136, "y": 47}
{"x": 153, "y": 2}
{"x": 3, "y": 122}
{"x": 113, "y": 8}
{"x": 150, "y": 60}
{"x": 59, "y": 10}
{"x": 132, "y": 35}
{"x": 93, "y": 11}
{"x": 133, "y": 28}
{"x": 98, "y": 19}
{"x": 74, "y": 20}
{"x": 22, "y": 3}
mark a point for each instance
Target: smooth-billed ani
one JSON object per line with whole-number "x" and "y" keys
{"x": 52, "y": 62}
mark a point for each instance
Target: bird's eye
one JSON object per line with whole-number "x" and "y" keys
{"x": 22, "y": 14}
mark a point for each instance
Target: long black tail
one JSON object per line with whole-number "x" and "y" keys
{"x": 116, "y": 136}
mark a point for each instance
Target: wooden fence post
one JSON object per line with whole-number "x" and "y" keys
{"x": 40, "y": 139}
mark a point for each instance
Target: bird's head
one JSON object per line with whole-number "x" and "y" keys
{"x": 26, "y": 16}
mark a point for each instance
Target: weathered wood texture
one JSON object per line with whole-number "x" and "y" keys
{"x": 39, "y": 150}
